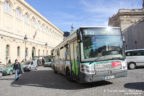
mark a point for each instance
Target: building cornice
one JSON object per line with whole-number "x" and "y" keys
{"x": 128, "y": 12}
{"x": 23, "y": 2}
{"x": 20, "y": 37}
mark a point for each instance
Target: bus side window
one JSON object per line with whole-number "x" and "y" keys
{"x": 67, "y": 53}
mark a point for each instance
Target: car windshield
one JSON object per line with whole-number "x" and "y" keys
{"x": 101, "y": 44}
{"x": 48, "y": 59}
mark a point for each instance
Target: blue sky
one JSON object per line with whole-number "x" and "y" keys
{"x": 64, "y": 13}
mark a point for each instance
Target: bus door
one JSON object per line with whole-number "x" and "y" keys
{"x": 74, "y": 58}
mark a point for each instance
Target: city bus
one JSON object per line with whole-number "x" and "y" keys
{"x": 91, "y": 54}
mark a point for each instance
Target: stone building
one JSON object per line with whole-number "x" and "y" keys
{"x": 126, "y": 17}
{"x": 134, "y": 36}
{"x": 24, "y": 32}
{"x": 131, "y": 22}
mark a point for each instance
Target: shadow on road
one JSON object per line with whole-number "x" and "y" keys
{"x": 135, "y": 85}
{"x": 49, "y": 79}
{"x": 6, "y": 79}
{"x": 140, "y": 67}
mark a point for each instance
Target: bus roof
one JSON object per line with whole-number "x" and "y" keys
{"x": 80, "y": 28}
{"x": 96, "y": 27}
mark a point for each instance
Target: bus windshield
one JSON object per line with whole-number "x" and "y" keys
{"x": 101, "y": 44}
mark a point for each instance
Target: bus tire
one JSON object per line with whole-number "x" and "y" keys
{"x": 132, "y": 66}
{"x": 68, "y": 76}
{"x": 54, "y": 69}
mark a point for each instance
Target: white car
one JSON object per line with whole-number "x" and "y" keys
{"x": 135, "y": 58}
{"x": 1, "y": 69}
{"x": 31, "y": 66}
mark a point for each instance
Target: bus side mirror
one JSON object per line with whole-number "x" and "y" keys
{"x": 78, "y": 41}
{"x": 124, "y": 41}
{"x": 79, "y": 37}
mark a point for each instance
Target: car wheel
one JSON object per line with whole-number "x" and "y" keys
{"x": 131, "y": 66}
{"x": 30, "y": 69}
{"x": 11, "y": 72}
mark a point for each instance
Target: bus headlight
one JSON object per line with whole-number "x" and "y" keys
{"x": 87, "y": 69}
{"x": 124, "y": 65}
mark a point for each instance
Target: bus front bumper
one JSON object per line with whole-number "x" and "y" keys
{"x": 100, "y": 76}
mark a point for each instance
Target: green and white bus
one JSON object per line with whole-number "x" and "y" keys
{"x": 91, "y": 54}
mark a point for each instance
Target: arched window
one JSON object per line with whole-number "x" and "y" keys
{"x": 43, "y": 27}
{"x": 18, "y": 13}
{"x": 26, "y": 17}
{"x": 7, "y": 50}
{"x": 39, "y": 24}
{"x": 26, "y": 52}
{"x": 46, "y": 29}
{"x": 18, "y": 51}
{"x": 39, "y": 52}
{"x": 43, "y": 52}
{"x": 33, "y": 52}
{"x": 50, "y": 30}
{"x": 47, "y": 53}
{"x": 33, "y": 21}
{"x": 7, "y": 7}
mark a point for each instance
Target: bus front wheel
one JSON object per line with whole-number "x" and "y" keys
{"x": 68, "y": 76}
{"x": 54, "y": 69}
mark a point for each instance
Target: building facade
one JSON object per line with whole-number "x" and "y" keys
{"x": 134, "y": 36}
{"x": 131, "y": 22}
{"x": 126, "y": 17}
{"x": 25, "y": 33}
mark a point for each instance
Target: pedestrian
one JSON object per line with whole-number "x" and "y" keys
{"x": 9, "y": 61}
{"x": 43, "y": 61}
{"x": 17, "y": 69}
{"x": 21, "y": 67}
{"x": 38, "y": 61}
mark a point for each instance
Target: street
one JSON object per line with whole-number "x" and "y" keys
{"x": 44, "y": 82}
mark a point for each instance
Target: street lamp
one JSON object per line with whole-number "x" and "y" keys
{"x": 136, "y": 44}
{"x": 25, "y": 39}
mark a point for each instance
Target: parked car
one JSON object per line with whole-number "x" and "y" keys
{"x": 1, "y": 69}
{"x": 48, "y": 61}
{"x": 135, "y": 58}
{"x": 32, "y": 65}
{"x": 39, "y": 60}
{"x": 0, "y": 74}
{"x": 7, "y": 70}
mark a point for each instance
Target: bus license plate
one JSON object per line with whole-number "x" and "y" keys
{"x": 109, "y": 77}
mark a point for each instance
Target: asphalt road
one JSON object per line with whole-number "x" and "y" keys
{"x": 44, "y": 82}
